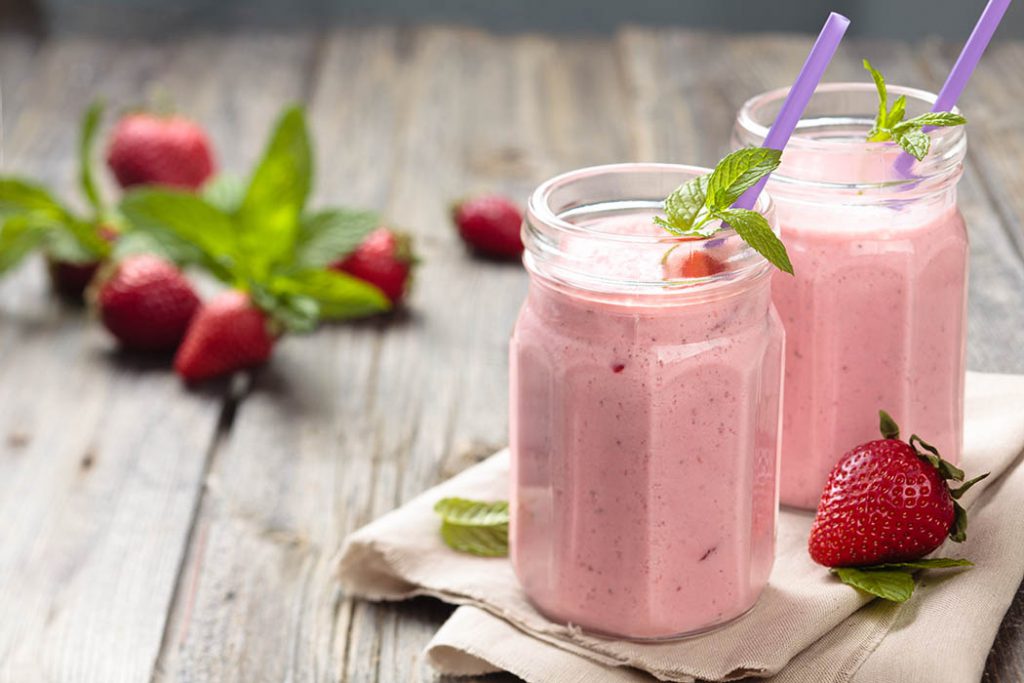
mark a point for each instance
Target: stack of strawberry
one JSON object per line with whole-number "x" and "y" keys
{"x": 286, "y": 267}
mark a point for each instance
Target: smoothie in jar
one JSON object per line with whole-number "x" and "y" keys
{"x": 875, "y": 314}
{"x": 644, "y": 413}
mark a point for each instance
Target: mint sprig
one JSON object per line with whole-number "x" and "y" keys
{"x": 703, "y": 206}
{"x": 259, "y": 236}
{"x": 474, "y": 527}
{"x": 909, "y": 134}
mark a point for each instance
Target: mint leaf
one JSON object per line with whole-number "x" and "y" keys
{"x": 329, "y": 235}
{"x": 294, "y": 312}
{"x": 898, "y": 111}
{"x": 339, "y": 296}
{"x": 683, "y": 205}
{"x": 935, "y": 118}
{"x": 189, "y": 226}
{"x": 914, "y": 142}
{"x": 22, "y": 197}
{"x": 225, "y": 192}
{"x": 86, "y": 142}
{"x": 738, "y": 172}
{"x": 753, "y": 228}
{"x": 893, "y": 585}
{"x": 474, "y": 527}
{"x": 882, "y": 118}
{"x": 928, "y": 563}
{"x": 268, "y": 217}
{"x": 18, "y": 237}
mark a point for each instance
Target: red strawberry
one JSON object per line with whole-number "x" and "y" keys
{"x": 70, "y": 279}
{"x": 384, "y": 259}
{"x": 227, "y": 334}
{"x": 887, "y": 501}
{"x": 490, "y": 224}
{"x": 146, "y": 303}
{"x": 680, "y": 263}
{"x": 146, "y": 149}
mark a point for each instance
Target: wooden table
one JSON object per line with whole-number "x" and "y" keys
{"x": 148, "y": 532}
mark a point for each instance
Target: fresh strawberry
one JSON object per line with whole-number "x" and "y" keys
{"x": 146, "y": 303}
{"x": 680, "y": 263}
{"x": 147, "y": 149}
{"x": 490, "y": 224}
{"x": 69, "y": 278}
{"x": 384, "y": 259}
{"x": 887, "y": 501}
{"x": 227, "y": 334}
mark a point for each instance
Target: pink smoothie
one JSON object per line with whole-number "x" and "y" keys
{"x": 644, "y": 442}
{"x": 874, "y": 319}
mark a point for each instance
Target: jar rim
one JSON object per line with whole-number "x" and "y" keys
{"x": 747, "y": 121}
{"x": 539, "y": 205}
{"x": 554, "y": 242}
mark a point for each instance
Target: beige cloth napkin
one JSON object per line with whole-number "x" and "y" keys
{"x": 806, "y": 626}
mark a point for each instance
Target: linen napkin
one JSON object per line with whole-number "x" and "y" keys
{"x": 806, "y": 627}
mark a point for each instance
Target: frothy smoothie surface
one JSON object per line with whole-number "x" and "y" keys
{"x": 644, "y": 448}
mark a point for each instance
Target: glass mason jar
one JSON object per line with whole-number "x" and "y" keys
{"x": 644, "y": 412}
{"x": 875, "y": 314}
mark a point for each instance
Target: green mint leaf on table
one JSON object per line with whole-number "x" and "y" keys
{"x": 893, "y": 585}
{"x": 329, "y": 235}
{"x": 695, "y": 206}
{"x": 270, "y": 210}
{"x": 753, "y": 228}
{"x": 67, "y": 237}
{"x": 475, "y": 527}
{"x": 889, "y": 123}
{"x": 86, "y": 143}
{"x": 893, "y": 581}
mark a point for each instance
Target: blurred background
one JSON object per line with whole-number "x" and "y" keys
{"x": 875, "y": 18}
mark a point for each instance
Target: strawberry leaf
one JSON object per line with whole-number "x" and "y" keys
{"x": 339, "y": 296}
{"x": 888, "y": 426}
{"x": 957, "y": 493}
{"x": 958, "y": 532}
{"x": 329, "y": 235}
{"x": 474, "y": 527}
{"x": 894, "y": 585}
{"x": 86, "y": 142}
{"x": 269, "y": 215}
{"x": 930, "y": 453}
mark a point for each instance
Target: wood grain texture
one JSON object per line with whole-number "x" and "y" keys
{"x": 353, "y": 421}
{"x": 101, "y": 454}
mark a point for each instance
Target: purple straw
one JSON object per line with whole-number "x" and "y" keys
{"x": 969, "y": 57}
{"x": 799, "y": 95}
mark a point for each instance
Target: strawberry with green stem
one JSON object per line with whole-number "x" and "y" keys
{"x": 260, "y": 239}
{"x": 909, "y": 134}
{"x": 32, "y": 219}
{"x": 887, "y": 504}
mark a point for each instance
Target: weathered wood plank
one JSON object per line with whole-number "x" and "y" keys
{"x": 101, "y": 455}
